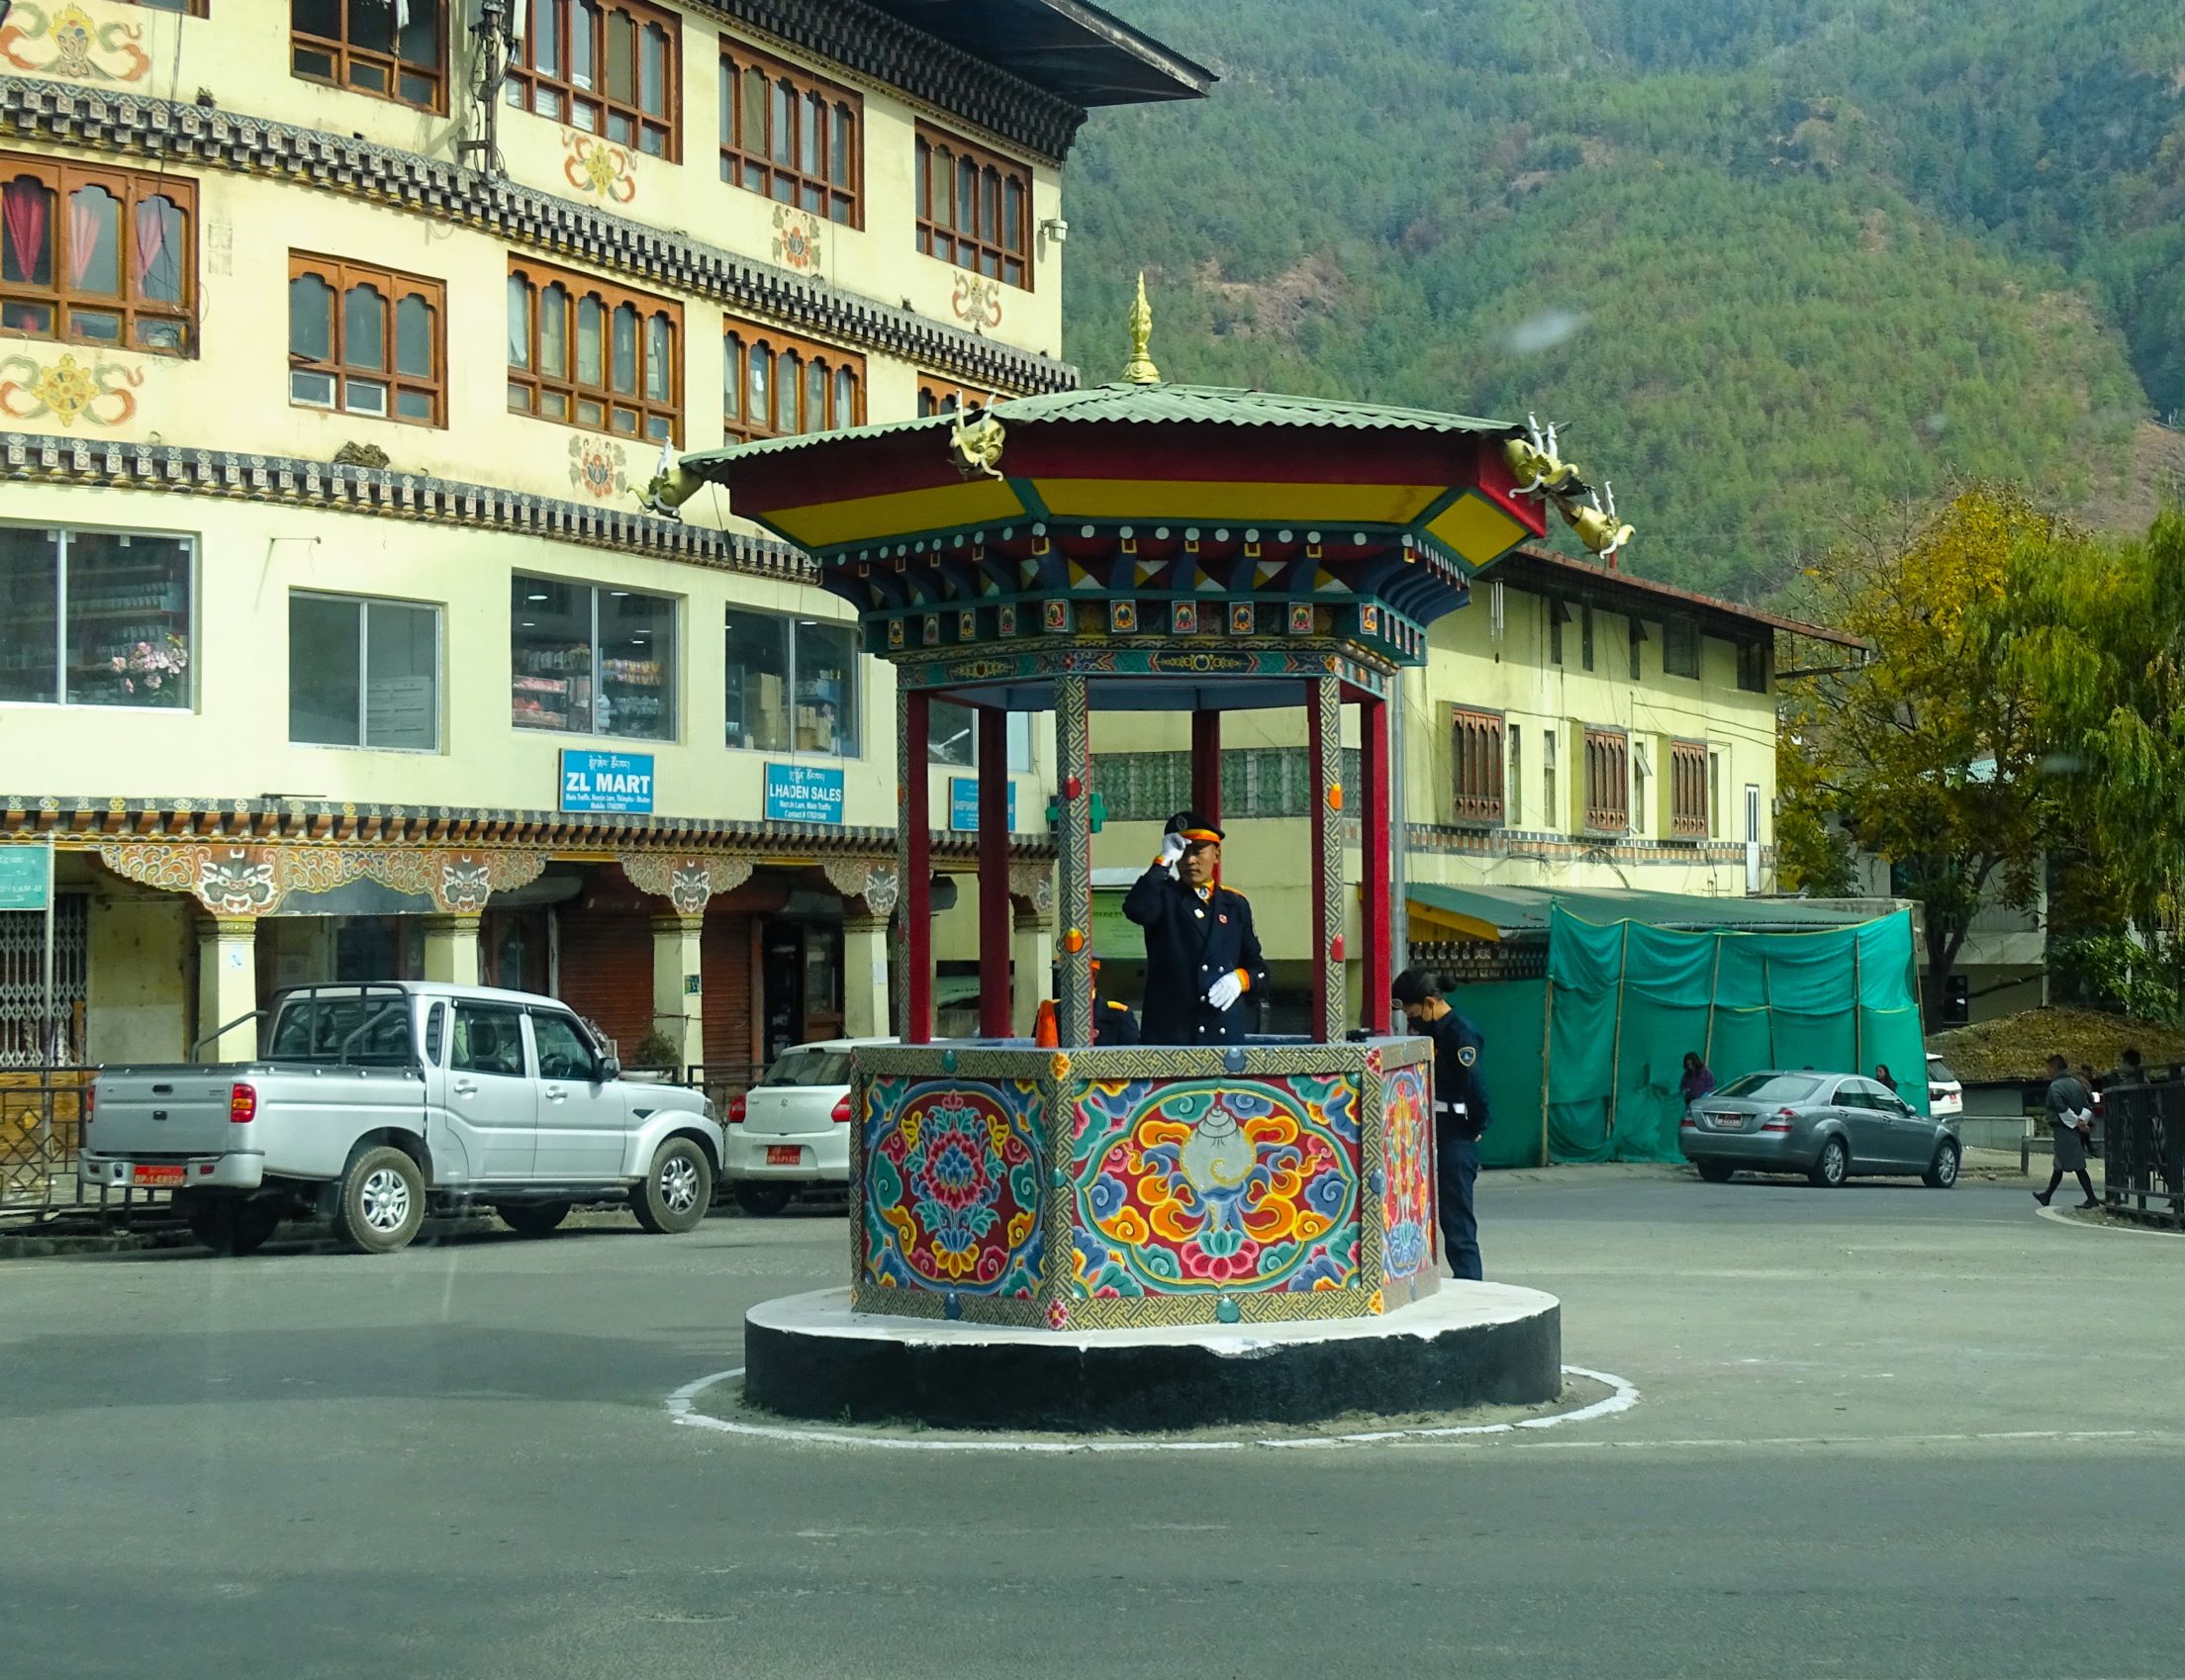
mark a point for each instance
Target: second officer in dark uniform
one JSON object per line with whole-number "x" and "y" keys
{"x": 1201, "y": 956}
{"x": 1460, "y": 1110}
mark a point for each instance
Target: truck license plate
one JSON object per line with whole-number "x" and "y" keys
{"x": 782, "y": 1155}
{"x": 158, "y": 1175}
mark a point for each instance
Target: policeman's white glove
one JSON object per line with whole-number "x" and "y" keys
{"x": 1225, "y": 990}
{"x": 1171, "y": 852}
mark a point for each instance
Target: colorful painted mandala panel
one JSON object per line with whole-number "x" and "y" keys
{"x": 1201, "y": 1185}
{"x": 1406, "y": 1198}
{"x": 951, "y": 1189}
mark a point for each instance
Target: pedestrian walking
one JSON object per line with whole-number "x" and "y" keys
{"x": 1698, "y": 1079}
{"x": 1201, "y": 955}
{"x": 2070, "y": 1107}
{"x": 1459, "y": 1111}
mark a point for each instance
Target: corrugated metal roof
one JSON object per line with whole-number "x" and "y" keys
{"x": 1522, "y": 912}
{"x": 1147, "y": 405}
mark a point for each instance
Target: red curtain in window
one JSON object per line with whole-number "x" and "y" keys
{"x": 83, "y": 236}
{"x": 23, "y": 209}
{"x": 151, "y": 235}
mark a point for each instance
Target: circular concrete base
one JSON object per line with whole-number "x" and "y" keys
{"x": 1467, "y": 1344}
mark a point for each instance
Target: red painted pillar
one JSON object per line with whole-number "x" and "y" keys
{"x": 1374, "y": 909}
{"x": 1316, "y": 709}
{"x": 993, "y": 872}
{"x": 917, "y": 886}
{"x": 1206, "y": 766}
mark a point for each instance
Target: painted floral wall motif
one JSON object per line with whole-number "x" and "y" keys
{"x": 977, "y": 301}
{"x": 796, "y": 238}
{"x": 595, "y": 165}
{"x": 73, "y": 45}
{"x": 596, "y": 468}
{"x": 67, "y": 389}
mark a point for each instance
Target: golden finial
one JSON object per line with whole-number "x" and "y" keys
{"x": 1139, "y": 370}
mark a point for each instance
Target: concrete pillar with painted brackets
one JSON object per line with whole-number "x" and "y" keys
{"x": 678, "y": 990}
{"x": 452, "y": 949}
{"x": 227, "y": 987}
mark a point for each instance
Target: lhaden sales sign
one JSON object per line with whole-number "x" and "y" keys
{"x": 606, "y": 782}
{"x": 803, "y": 793}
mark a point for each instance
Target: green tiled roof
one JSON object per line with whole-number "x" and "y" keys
{"x": 1150, "y": 405}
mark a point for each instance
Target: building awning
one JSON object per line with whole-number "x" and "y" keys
{"x": 1070, "y": 47}
{"x": 1494, "y": 913}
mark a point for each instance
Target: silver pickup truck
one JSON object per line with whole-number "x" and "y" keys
{"x": 376, "y": 1103}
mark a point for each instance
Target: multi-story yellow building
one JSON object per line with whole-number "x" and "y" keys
{"x": 1574, "y": 728}
{"x": 337, "y": 343}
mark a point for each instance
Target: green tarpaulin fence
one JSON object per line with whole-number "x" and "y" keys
{"x": 1624, "y": 1001}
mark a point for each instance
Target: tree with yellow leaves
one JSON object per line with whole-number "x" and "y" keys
{"x": 1929, "y": 753}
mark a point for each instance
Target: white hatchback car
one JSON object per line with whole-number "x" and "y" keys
{"x": 792, "y": 1130}
{"x": 1945, "y": 1097}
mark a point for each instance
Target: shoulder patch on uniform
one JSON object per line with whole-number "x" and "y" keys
{"x": 1467, "y": 1055}
{"x": 1112, "y": 1004}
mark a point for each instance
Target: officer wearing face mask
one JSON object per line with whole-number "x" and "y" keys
{"x": 1460, "y": 1110}
{"x": 1203, "y": 956}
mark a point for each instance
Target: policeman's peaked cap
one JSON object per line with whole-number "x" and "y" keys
{"x": 1193, "y": 828}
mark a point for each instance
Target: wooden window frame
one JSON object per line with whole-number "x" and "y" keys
{"x": 1690, "y": 806}
{"x": 1682, "y": 636}
{"x": 396, "y": 286}
{"x": 187, "y": 8}
{"x": 538, "y": 387}
{"x": 130, "y": 189}
{"x": 1477, "y": 772}
{"x": 1607, "y": 781}
{"x": 391, "y": 64}
{"x": 748, "y": 336}
{"x": 941, "y": 396}
{"x": 1755, "y": 659}
{"x": 526, "y": 85}
{"x": 949, "y": 244}
{"x": 761, "y": 172}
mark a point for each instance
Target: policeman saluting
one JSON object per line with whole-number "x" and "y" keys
{"x": 1460, "y": 1110}
{"x": 1201, "y": 955}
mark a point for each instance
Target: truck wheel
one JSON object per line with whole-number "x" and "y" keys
{"x": 764, "y": 1200}
{"x": 232, "y": 1225}
{"x": 382, "y": 1203}
{"x": 678, "y": 1188}
{"x": 533, "y": 1219}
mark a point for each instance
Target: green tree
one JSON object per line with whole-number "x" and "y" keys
{"x": 1930, "y": 754}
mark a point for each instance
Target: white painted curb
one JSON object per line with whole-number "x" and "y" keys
{"x": 683, "y": 1409}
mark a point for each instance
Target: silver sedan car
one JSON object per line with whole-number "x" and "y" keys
{"x": 1829, "y": 1125}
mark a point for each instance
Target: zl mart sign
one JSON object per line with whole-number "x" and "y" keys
{"x": 606, "y": 782}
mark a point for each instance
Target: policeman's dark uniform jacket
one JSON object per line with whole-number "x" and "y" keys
{"x": 1460, "y": 1093}
{"x": 1114, "y": 1023}
{"x": 1193, "y": 937}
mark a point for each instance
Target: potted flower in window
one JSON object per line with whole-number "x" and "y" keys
{"x": 154, "y": 673}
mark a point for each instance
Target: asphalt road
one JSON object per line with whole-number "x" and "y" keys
{"x": 1883, "y": 1432}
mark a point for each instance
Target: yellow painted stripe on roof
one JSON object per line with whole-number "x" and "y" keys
{"x": 829, "y": 524}
{"x": 1451, "y": 923}
{"x": 1476, "y": 529}
{"x": 1318, "y": 507}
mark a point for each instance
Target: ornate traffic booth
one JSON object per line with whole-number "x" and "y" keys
{"x": 1140, "y": 546}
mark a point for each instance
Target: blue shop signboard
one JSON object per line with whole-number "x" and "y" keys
{"x": 606, "y": 782}
{"x": 803, "y": 793}
{"x": 963, "y": 802}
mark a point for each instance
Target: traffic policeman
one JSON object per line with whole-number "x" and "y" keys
{"x": 1460, "y": 1110}
{"x": 1201, "y": 953}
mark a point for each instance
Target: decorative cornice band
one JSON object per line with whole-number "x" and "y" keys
{"x": 62, "y": 114}
{"x": 90, "y": 820}
{"x": 874, "y": 44}
{"x": 41, "y": 457}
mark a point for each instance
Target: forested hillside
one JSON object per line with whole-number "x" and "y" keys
{"x": 1774, "y": 260}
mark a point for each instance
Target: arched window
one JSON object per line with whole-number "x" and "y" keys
{"x": 789, "y": 385}
{"x": 625, "y": 377}
{"x": 369, "y": 341}
{"x": 789, "y": 135}
{"x": 974, "y": 208}
{"x": 609, "y": 67}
